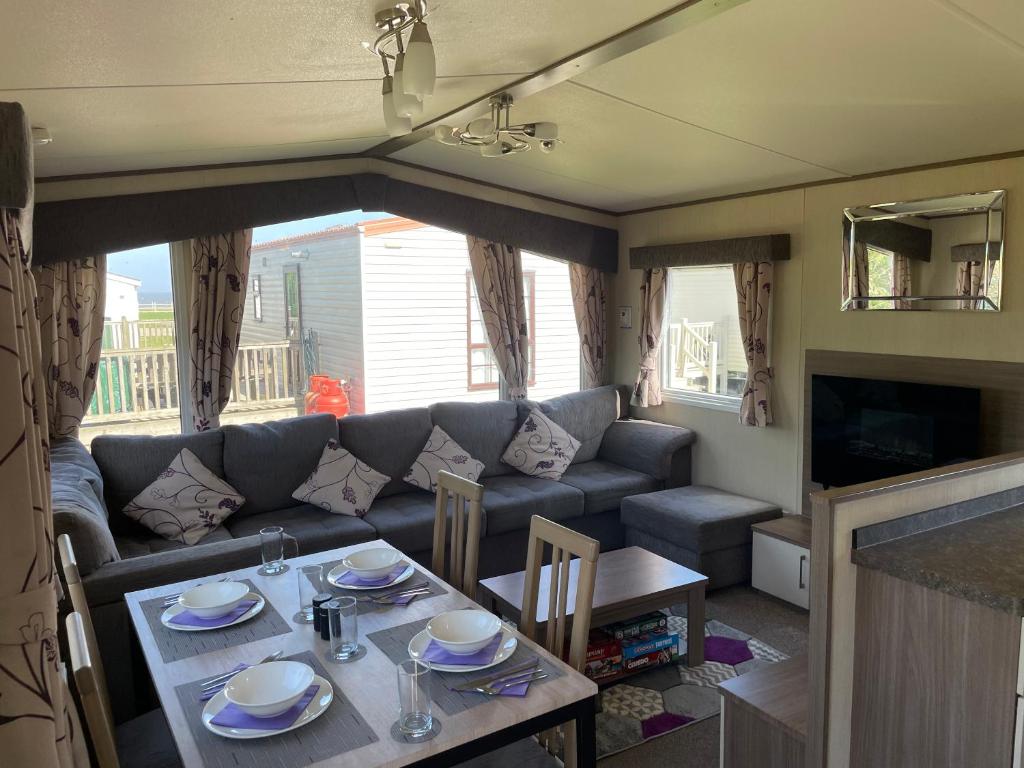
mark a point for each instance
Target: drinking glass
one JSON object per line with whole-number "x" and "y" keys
{"x": 311, "y": 583}
{"x": 343, "y": 620}
{"x": 272, "y": 551}
{"x": 414, "y": 716}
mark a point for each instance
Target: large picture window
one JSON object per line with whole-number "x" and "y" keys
{"x": 483, "y": 370}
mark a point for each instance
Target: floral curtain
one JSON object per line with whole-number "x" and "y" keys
{"x": 901, "y": 280}
{"x": 498, "y": 274}
{"x": 38, "y": 722}
{"x": 70, "y": 308}
{"x": 647, "y": 390}
{"x": 589, "y": 302}
{"x": 970, "y": 281}
{"x": 220, "y": 265}
{"x": 859, "y": 281}
{"x": 754, "y": 298}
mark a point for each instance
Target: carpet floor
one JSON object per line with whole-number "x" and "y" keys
{"x": 775, "y": 622}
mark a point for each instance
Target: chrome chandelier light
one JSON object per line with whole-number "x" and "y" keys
{"x": 414, "y": 66}
{"x": 496, "y": 136}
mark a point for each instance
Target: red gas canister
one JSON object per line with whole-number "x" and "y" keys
{"x": 332, "y": 398}
{"x": 314, "y": 391}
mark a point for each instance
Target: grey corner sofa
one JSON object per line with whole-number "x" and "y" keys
{"x": 618, "y": 457}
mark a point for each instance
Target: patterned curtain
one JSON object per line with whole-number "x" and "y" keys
{"x": 589, "y": 302}
{"x": 647, "y": 390}
{"x": 970, "y": 277}
{"x": 754, "y": 298}
{"x": 220, "y": 265}
{"x": 38, "y": 722}
{"x": 860, "y": 277}
{"x": 498, "y": 274}
{"x": 901, "y": 280}
{"x": 71, "y": 301}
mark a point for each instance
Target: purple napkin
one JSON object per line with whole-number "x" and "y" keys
{"x": 188, "y": 619}
{"x": 349, "y": 579}
{"x": 214, "y": 691}
{"x": 232, "y": 717}
{"x": 485, "y": 655}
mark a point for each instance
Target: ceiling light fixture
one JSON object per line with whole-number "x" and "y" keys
{"x": 495, "y": 136}
{"x": 41, "y": 136}
{"x": 414, "y": 65}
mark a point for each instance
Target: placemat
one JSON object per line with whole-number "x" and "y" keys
{"x": 338, "y": 730}
{"x": 394, "y": 643}
{"x": 365, "y": 606}
{"x": 175, "y": 645}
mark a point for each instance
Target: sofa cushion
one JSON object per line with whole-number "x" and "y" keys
{"x": 389, "y": 442}
{"x": 441, "y": 453}
{"x": 130, "y": 462}
{"x": 266, "y": 462}
{"x": 341, "y": 483}
{"x": 315, "y": 529}
{"x": 406, "y": 521}
{"x": 541, "y": 448}
{"x": 141, "y": 541}
{"x": 78, "y": 511}
{"x": 511, "y": 500}
{"x": 604, "y": 484}
{"x": 697, "y": 517}
{"x": 585, "y": 415}
{"x": 483, "y": 429}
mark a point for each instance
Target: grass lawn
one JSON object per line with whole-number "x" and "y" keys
{"x": 156, "y": 314}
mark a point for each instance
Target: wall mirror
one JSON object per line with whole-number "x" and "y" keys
{"x": 945, "y": 253}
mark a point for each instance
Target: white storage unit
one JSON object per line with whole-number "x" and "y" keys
{"x": 782, "y": 558}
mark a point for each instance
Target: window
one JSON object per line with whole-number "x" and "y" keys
{"x": 482, "y": 367}
{"x": 257, "y": 299}
{"x": 292, "y": 305}
{"x": 702, "y": 350}
{"x": 881, "y": 274}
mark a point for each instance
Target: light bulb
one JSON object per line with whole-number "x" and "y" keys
{"x": 405, "y": 105}
{"x": 547, "y": 147}
{"x": 494, "y": 149}
{"x": 545, "y": 131}
{"x": 395, "y": 124}
{"x": 420, "y": 67}
{"x": 482, "y": 127}
{"x": 446, "y": 135}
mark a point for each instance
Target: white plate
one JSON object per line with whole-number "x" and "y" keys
{"x": 340, "y": 570}
{"x": 418, "y": 646}
{"x": 174, "y": 610}
{"x": 316, "y": 707}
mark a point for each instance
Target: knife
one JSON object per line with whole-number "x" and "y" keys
{"x": 496, "y": 675}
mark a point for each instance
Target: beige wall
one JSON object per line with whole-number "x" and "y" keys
{"x": 765, "y": 463}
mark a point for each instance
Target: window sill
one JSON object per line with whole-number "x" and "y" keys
{"x": 727, "y": 403}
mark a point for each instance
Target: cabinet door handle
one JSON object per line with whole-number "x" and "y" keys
{"x": 803, "y": 559}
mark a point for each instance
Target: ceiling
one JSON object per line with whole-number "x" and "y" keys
{"x": 768, "y": 93}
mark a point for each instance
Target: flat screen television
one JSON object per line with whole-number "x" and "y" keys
{"x": 866, "y": 429}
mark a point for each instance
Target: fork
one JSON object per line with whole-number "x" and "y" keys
{"x": 494, "y": 690}
{"x": 219, "y": 680}
{"x": 390, "y": 598}
{"x": 173, "y": 599}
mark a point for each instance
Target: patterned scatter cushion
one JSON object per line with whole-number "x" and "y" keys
{"x": 341, "y": 483}
{"x": 541, "y": 448}
{"x": 185, "y": 502}
{"x": 441, "y": 452}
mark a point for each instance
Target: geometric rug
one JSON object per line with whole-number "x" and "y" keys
{"x": 673, "y": 696}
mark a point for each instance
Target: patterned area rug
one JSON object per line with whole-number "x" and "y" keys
{"x": 673, "y": 696}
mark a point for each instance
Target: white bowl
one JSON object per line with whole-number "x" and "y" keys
{"x": 372, "y": 563}
{"x": 463, "y": 632}
{"x": 269, "y": 689}
{"x": 211, "y": 601}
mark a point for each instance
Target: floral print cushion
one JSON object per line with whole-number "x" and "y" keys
{"x": 185, "y": 502}
{"x": 341, "y": 483}
{"x": 541, "y": 448}
{"x": 441, "y": 452}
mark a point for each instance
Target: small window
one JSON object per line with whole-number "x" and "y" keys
{"x": 482, "y": 367}
{"x": 292, "y": 305}
{"x": 257, "y": 299}
{"x": 703, "y": 355}
{"x": 881, "y": 277}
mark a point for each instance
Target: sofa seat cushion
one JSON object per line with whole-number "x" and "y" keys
{"x": 697, "y": 517}
{"x": 406, "y": 521}
{"x": 266, "y": 462}
{"x": 604, "y": 484}
{"x": 315, "y": 529}
{"x": 388, "y": 441}
{"x": 139, "y": 541}
{"x": 511, "y": 500}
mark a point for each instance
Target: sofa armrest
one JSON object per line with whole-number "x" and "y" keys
{"x": 661, "y": 450}
{"x": 109, "y": 583}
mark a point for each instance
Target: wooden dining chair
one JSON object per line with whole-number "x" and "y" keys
{"x": 145, "y": 740}
{"x": 464, "y": 542}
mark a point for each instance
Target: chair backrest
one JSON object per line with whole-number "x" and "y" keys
{"x": 88, "y": 681}
{"x": 565, "y": 544}
{"x": 73, "y": 583}
{"x": 464, "y": 542}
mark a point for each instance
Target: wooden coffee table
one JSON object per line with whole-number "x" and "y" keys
{"x": 630, "y": 582}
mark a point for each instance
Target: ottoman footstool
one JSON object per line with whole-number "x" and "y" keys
{"x": 703, "y": 528}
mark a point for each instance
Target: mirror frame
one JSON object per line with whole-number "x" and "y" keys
{"x": 994, "y": 200}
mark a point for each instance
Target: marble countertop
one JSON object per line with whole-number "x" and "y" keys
{"x": 980, "y": 559}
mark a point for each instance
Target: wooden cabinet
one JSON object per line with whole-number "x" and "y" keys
{"x": 782, "y": 558}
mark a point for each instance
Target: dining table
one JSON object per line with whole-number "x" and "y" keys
{"x": 359, "y": 727}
